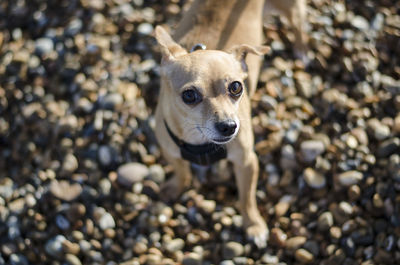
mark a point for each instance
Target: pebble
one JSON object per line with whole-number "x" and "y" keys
{"x": 294, "y": 243}
{"x": 64, "y": 190}
{"x": 104, "y": 219}
{"x": 70, "y": 163}
{"x": 192, "y": 259}
{"x": 156, "y": 173}
{"x": 314, "y": 179}
{"x": 131, "y": 173}
{"x": 303, "y": 256}
{"x": 54, "y": 245}
{"x": 349, "y": 178}
{"x": 232, "y": 249}
{"x": 72, "y": 259}
{"x": 325, "y": 221}
{"x": 44, "y": 46}
{"x": 18, "y": 259}
{"x": 174, "y": 245}
{"x": 277, "y": 237}
{"x": 311, "y": 149}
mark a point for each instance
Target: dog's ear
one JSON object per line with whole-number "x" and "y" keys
{"x": 169, "y": 48}
{"x": 241, "y": 51}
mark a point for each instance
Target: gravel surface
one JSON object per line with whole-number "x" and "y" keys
{"x": 80, "y": 171}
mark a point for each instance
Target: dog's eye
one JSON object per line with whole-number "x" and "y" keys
{"x": 191, "y": 96}
{"x": 235, "y": 89}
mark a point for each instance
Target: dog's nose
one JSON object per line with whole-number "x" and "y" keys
{"x": 226, "y": 128}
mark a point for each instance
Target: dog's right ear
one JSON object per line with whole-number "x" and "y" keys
{"x": 169, "y": 48}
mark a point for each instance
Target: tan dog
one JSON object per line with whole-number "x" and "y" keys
{"x": 203, "y": 112}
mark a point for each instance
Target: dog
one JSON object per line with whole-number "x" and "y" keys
{"x": 203, "y": 112}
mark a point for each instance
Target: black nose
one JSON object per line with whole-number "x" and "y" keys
{"x": 226, "y": 128}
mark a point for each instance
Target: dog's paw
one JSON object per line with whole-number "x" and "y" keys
{"x": 170, "y": 190}
{"x": 258, "y": 234}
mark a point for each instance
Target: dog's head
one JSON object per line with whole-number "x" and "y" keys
{"x": 203, "y": 88}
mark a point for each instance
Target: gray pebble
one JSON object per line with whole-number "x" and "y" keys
{"x": 54, "y": 247}
{"x": 18, "y": 259}
{"x": 156, "y": 173}
{"x": 232, "y": 249}
{"x": 44, "y": 45}
{"x": 349, "y": 178}
{"x": 311, "y": 149}
{"x": 145, "y": 28}
{"x": 360, "y": 23}
{"x": 130, "y": 173}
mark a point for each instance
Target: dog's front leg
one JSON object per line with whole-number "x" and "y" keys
{"x": 181, "y": 179}
{"x": 246, "y": 174}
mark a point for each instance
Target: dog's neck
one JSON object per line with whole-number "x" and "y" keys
{"x": 203, "y": 154}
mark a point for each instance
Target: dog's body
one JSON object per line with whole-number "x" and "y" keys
{"x": 214, "y": 80}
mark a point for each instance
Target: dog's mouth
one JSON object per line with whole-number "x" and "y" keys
{"x": 223, "y": 140}
{"x": 211, "y": 136}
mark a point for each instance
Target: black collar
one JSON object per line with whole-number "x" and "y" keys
{"x": 202, "y": 154}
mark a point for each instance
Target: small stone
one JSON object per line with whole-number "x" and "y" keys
{"x": 345, "y": 208}
{"x": 174, "y": 245}
{"x": 18, "y": 259}
{"x": 303, "y": 256}
{"x": 192, "y": 259}
{"x": 112, "y": 101}
{"x": 72, "y": 259}
{"x": 325, "y": 221}
{"x": 388, "y": 147}
{"x": 70, "y": 163}
{"x": 106, "y": 221}
{"x": 311, "y": 149}
{"x": 54, "y": 246}
{"x": 360, "y": 23}
{"x": 70, "y": 247}
{"x": 17, "y": 206}
{"x": 105, "y": 156}
{"x": 62, "y": 222}
{"x": 44, "y": 46}
{"x": 277, "y": 237}
{"x": 129, "y": 174}
{"x": 335, "y": 232}
{"x": 139, "y": 248}
{"x": 349, "y": 178}
{"x": 145, "y": 28}
{"x": 208, "y": 206}
{"x": 64, "y": 190}
{"x": 314, "y": 179}
{"x": 269, "y": 259}
{"x": 76, "y": 212}
{"x": 227, "y": 262}
{"x": 294, "y": 243}
{"x": 232, "y": 249}
{"x": 354, "y": 192}
{"x": 268, "y": 102}
{"x": 156, "y": 173}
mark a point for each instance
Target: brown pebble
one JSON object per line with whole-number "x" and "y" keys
{"x": 277, "y": 237}
{"x": 304, "y": 256}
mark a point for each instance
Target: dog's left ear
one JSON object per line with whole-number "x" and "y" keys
{"x": 241, "y": 51}
{"x": 169, "y": 48}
